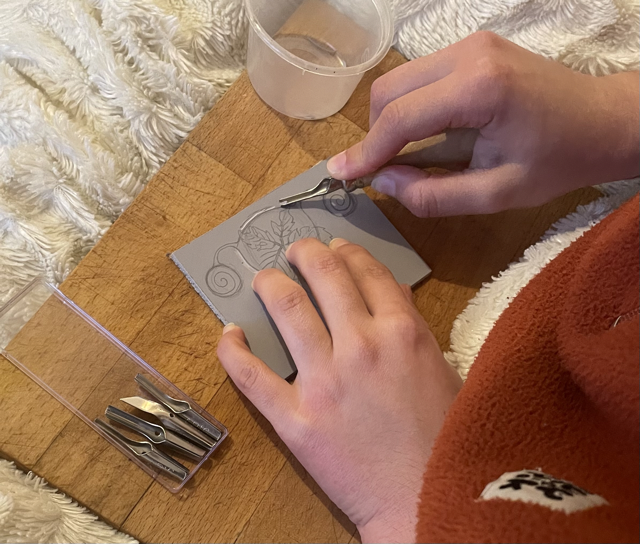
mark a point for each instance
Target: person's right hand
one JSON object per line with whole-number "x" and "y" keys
{"x": 544, "y": 129}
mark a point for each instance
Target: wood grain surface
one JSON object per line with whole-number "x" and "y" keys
{"x": 253, "y": 490}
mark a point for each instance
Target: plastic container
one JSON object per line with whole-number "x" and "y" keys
{"x": 305, "y": 57}
{"x": 85, "y": 367}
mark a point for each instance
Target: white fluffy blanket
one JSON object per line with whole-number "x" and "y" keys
{"x": 96, "y": 94}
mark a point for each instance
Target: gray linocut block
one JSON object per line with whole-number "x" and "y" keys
{"x": 222, "y": 263}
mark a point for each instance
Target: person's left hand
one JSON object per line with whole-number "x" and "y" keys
{"x": 371, "y": 392}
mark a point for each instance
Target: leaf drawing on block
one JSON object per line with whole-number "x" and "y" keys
{"x": 262, "y": 243}
{"x": 320, "y": 233}
{"x": 269, "y": 246}
{"x": 284, "y": 226}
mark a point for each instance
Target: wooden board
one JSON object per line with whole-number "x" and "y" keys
{"x": 253, "y": 490}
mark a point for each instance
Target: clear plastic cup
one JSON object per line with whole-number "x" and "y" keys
{"x": 305, "y": 57}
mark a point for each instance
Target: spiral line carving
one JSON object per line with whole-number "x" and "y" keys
{"x": 223, "y": 280}
{"x": 340, "y": 203}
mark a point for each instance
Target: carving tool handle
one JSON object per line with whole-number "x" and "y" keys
{"x": 358, "y": 183}
{"x": 451, "y": 150}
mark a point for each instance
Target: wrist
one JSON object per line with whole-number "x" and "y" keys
{"x": 395, "y": 521}
{"x": 392, "y": 529}
{"x": 619, "y": 96}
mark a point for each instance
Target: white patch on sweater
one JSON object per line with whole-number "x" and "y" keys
{"x": 536, "y": 487}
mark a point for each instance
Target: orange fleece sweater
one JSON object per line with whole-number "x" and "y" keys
{"x": 555, "y": 389}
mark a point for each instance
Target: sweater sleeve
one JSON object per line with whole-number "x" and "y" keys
{"x": 542, "y": 443}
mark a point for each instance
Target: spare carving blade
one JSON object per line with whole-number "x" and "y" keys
{"x": 179, "y": 407}
{"x": 146, "y": 451}
{"x": 171, "y": 421}
{"x": 156, "y": 434}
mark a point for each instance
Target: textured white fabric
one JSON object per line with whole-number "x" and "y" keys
{"x": 31, "y": 511}
{"x": 473, "y": 325}
{"x": 594, "y": 36}
{"x": 95, "y": 95}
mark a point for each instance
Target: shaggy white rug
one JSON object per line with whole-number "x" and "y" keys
{"x": 96, "y": 94}
{"x": 31, "y": 511}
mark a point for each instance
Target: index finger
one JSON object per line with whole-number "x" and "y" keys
{"x": 408, "y": 77}
{"x": 422, "y": 113}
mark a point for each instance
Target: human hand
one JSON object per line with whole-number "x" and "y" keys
{"x": 371, "y": 392}
{"x": 544, "y": 129}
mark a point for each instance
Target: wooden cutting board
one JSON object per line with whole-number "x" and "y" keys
{"x": 253, "y": 490}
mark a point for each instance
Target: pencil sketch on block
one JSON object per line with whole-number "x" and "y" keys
{"x": 264, "y": 238}
{"x": 222, "y": 263}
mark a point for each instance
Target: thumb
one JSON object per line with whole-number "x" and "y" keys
{"x": 469, "y": 192}
{"x": 406, "y": 290}
{"x": 268, "y": 392}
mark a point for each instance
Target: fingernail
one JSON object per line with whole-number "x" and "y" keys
{"x": 286, "y": 251}
{"x": 336, "y": 165}
{"x": 228, "y": 327}
{"x": 385, "y": 185}
{"x": 335, "y": 243}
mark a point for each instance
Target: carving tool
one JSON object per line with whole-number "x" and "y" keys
{"x": 452, "y": 150}
{"x": 146, "y": 451}
{"x": 155, "y": 434}
{"x": 326, "y": 186}
{"x": 181, "y": 408}
{"x": 170, "y": 421}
